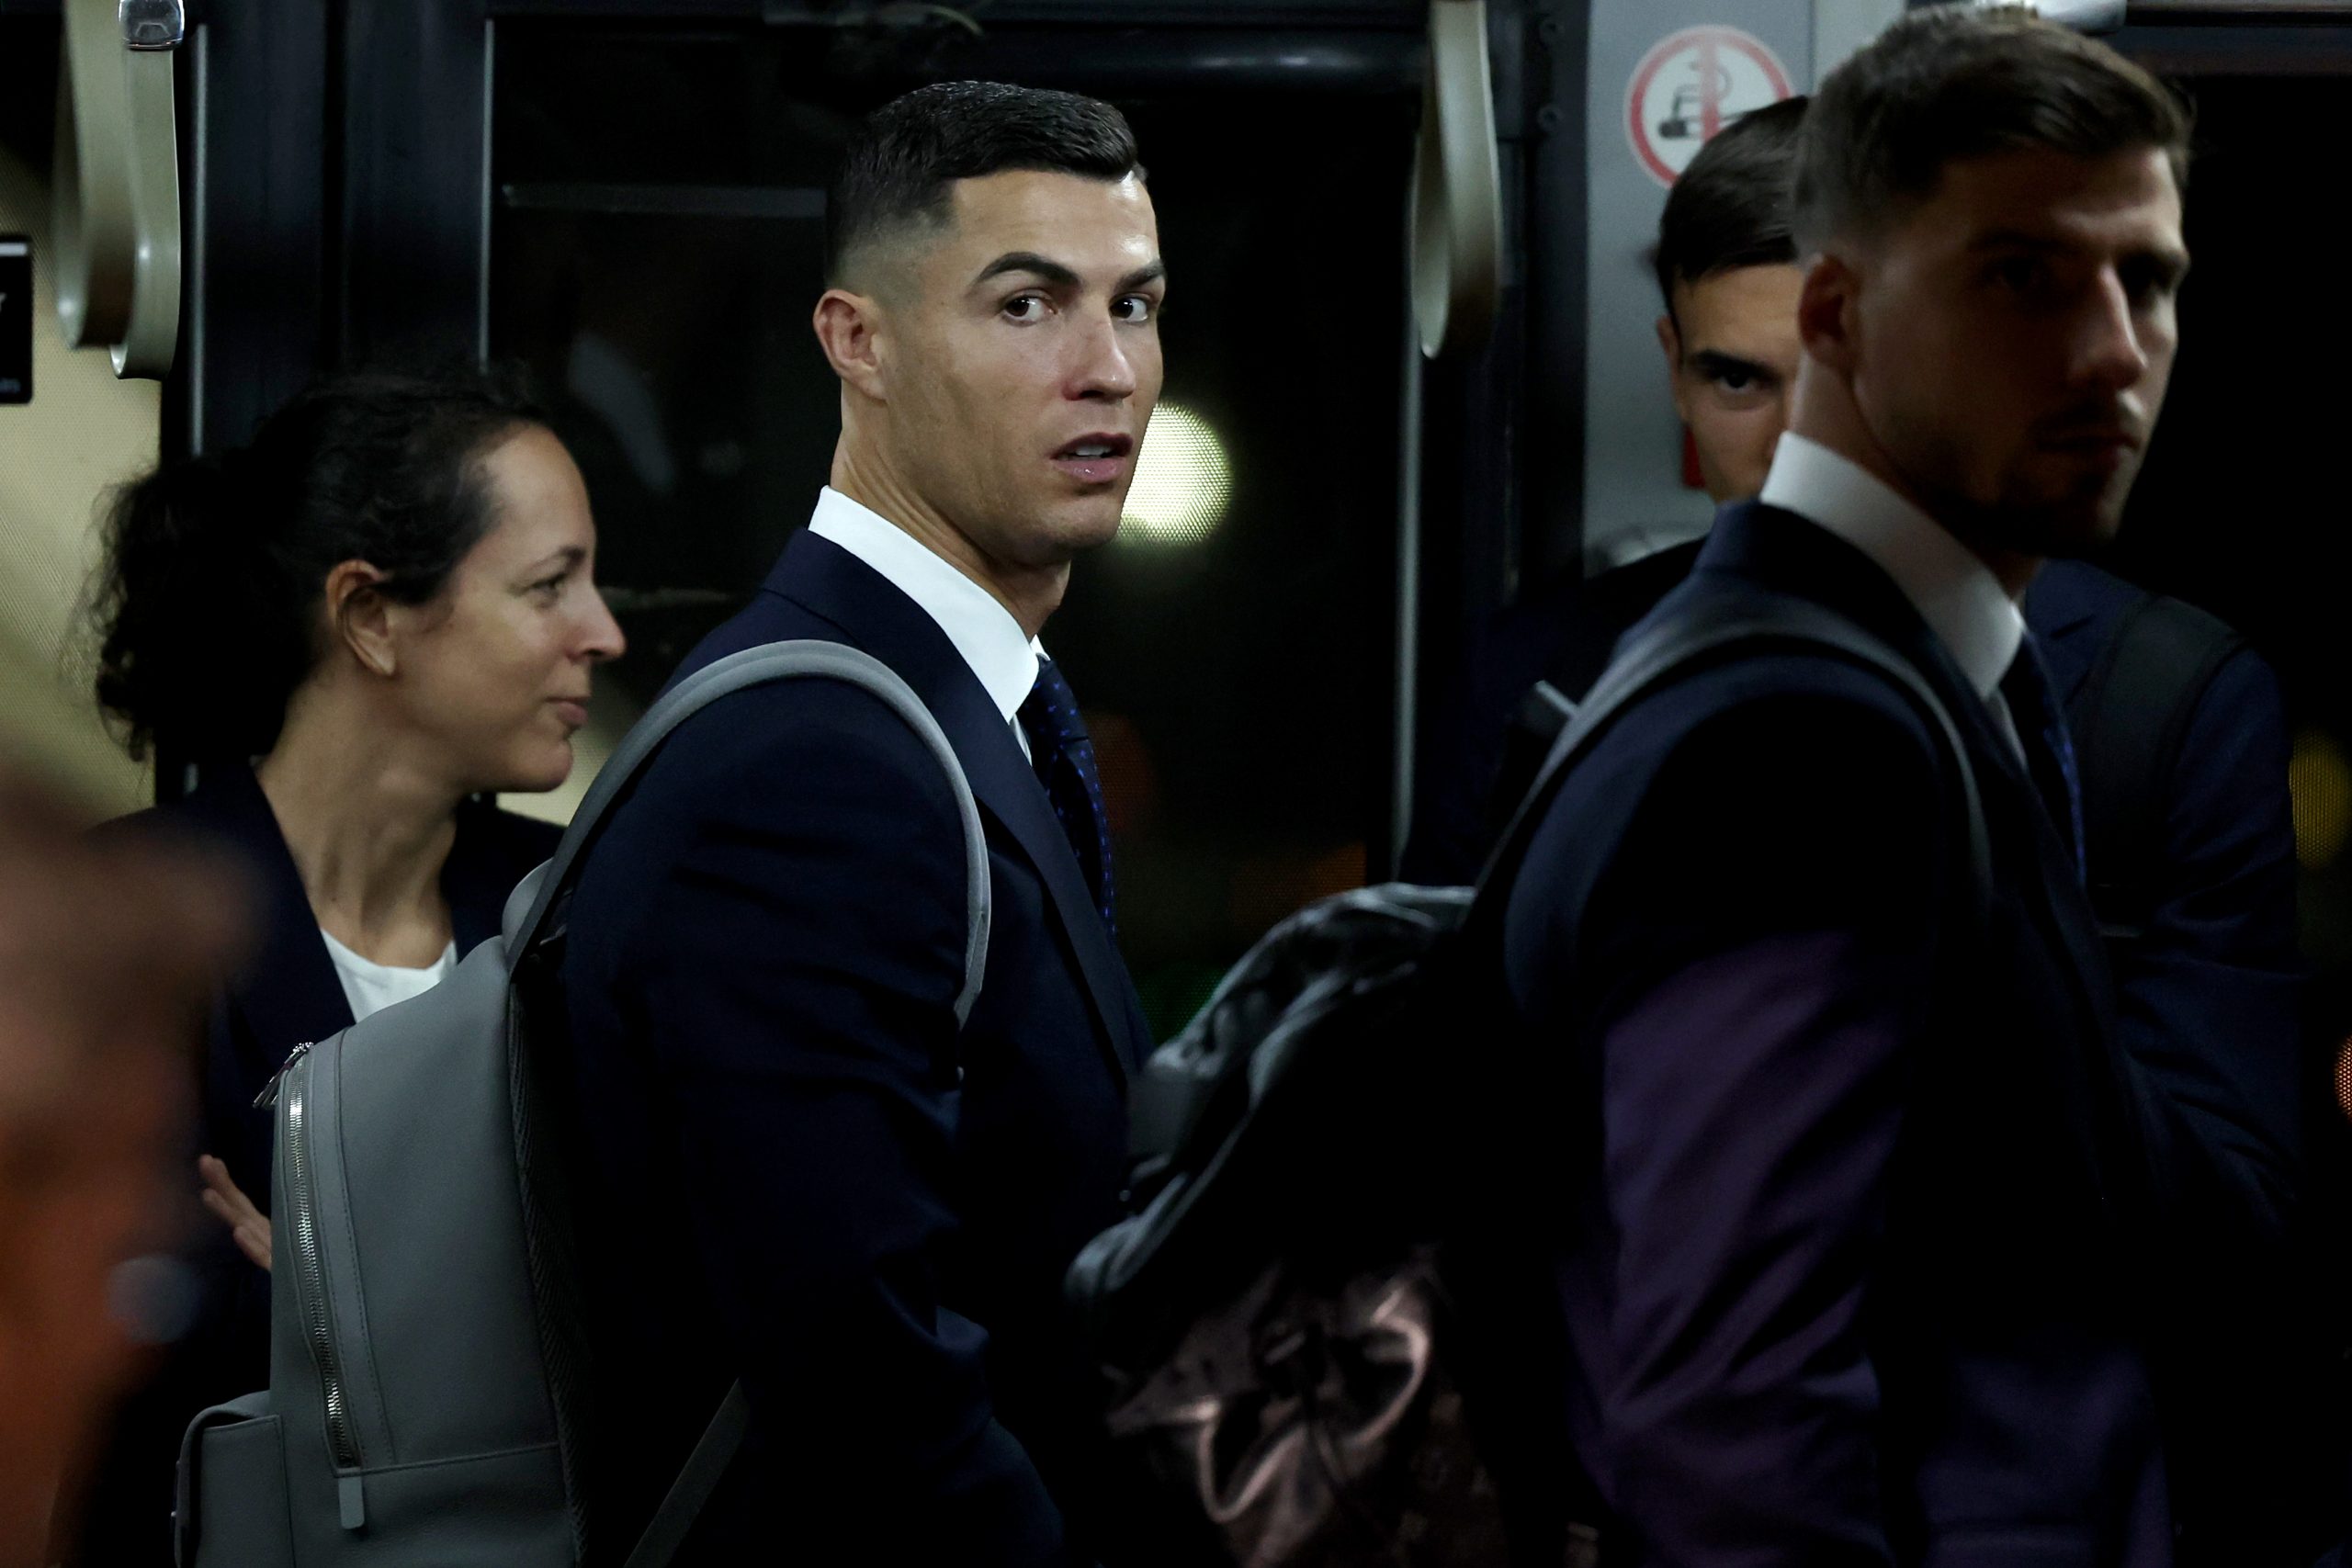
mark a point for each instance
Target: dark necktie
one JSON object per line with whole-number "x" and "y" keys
{"x": 1064, "y": 757}
{"x": 2040, "y": 721}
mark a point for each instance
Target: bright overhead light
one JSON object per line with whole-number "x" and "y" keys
{"x": 1183, "y": 483}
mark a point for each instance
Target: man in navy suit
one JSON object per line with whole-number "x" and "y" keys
{"x": 2197, "y": 865}
{"x": 1860, "y": 1264}
{"x": 870, "y": 1212}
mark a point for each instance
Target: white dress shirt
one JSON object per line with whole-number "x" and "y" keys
{"x": 1954, "y": 592}
{"x": 1001, "y": 654}
{"x": 370, "y": 987}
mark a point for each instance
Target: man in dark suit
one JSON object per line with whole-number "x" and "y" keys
{"x": 1859, "y": 1261}
{"x": 2190, "y": 847}
{"x": 872, "y": 1212}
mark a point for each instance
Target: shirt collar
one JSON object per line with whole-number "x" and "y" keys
{"x": 1954, "y": 592}
{"x": 983, "y": 630}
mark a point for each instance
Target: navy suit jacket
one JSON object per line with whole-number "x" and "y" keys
{"x": 2211, "y": 1005}
{"x": 1861, "y": 1191}
{"x": 288, "y": 992}
{"x": 799, "y": 1174}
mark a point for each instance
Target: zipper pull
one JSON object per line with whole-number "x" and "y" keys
{"x": 268, "y": 1095}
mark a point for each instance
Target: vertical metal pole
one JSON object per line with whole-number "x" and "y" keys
{"x": 199, "y": 209}
{"x": 1408, "y": 574}
{"x": 489, "y": 109}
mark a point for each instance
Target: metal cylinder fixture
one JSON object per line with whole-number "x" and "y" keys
{"x": 2085, "y": 16}
{"x": 149, "y": 24}
{"x": 117, "y": 185}
{"x": 1457, "y": 187}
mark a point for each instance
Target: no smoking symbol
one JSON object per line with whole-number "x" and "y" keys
{"x": 1689, "y": 88}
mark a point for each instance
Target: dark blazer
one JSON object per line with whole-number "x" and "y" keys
{"x": 287, "y": 993}
{"x": 803, "y": 1177}
{"x": 1861, "y": 1189}
{"x": 2210, "y": 1006}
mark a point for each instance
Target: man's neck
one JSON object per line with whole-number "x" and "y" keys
{"x": 1031, "y": 594}
{"x": 1827, "y": 417}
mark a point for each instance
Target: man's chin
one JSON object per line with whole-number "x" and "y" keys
{"x": 2067, "y": 533}
{"x": 1089, "y": 526}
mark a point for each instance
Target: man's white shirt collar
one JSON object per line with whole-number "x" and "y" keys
{"x": 1954, "y": 589}
{"x": 1001, "y": 654}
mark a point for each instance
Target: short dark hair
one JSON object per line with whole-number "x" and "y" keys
{"x": 1962, "y": 81}
{"x": 214, "y": 566}
{"x": 1730, "y": 208}
{"x": 903, "y": 159}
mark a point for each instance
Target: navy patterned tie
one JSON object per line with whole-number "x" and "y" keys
{"x": 2041, "y": 722}
{"x": 1064, "y": 757}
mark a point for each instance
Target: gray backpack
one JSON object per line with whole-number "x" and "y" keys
{"x": 417, "y": 1405}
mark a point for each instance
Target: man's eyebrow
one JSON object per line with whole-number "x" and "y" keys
{"x": 1143, "y": 276}
{"x": 2018, "y": 240}
{"x": 1716, "y": 362}
{"x": 1030, "y": 262}
{"x": 2173, "y": 260}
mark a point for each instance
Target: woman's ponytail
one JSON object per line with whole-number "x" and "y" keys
{"x": 200, "y": 632}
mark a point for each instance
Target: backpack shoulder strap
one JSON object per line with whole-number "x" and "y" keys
{"x": 739, "y": 671}
{"x": 2131, "y": 719}
{"x": 1709, "y": 633}
{"x": 528, "y": 910}
{"x": 698, "y": 1479}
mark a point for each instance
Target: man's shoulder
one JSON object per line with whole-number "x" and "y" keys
{"x": 2074, "y": 600}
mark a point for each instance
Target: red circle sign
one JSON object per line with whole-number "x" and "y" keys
{"x": 1691, "y": 86}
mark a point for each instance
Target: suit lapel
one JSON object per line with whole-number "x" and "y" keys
{"x": 829, "y": 583}
{"x": 2066, "y": 625}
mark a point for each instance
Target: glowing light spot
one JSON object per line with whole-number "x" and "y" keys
{"x": 1183, "y": 481}
{"x": 2320, "y": 781}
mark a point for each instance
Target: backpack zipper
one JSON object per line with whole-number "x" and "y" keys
{"x": 309, "y": 1270}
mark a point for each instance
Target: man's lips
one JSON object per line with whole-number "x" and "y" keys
{"x": 2115, "y": 438}
{"x": 573, "y": 711}
{"x": 1097, "y": 458}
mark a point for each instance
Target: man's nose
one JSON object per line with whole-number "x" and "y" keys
{"x": 1103, "y": 371}
{"x": 2110, "y": 349}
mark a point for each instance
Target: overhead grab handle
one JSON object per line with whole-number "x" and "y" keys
{"x": 1457, "y": 188}
{"x": 117, "y": 186}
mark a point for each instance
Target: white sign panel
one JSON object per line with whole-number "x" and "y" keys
{"x": 1691, "y": 86}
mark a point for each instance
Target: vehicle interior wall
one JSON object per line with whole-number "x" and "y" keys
{"x": 83, "y": 432}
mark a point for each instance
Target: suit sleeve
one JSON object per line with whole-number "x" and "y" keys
{"x": 2210, "y": 1001}
{"x": 1771, "y": 912}
{"x": 792, "y": 974}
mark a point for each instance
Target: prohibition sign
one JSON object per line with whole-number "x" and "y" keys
{"x": 1691, "y": 86}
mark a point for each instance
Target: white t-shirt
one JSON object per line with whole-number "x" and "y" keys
{"x": 371, "y": 986}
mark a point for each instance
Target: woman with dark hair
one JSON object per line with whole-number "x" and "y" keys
{"x": 353, "y": 632}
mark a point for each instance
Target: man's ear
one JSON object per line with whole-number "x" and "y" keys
{"x": 1669, "y": 338}
{"x": 361, "y": 617}
{"x": 850, "y": 327}
{"x": 1828, "y": 319}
